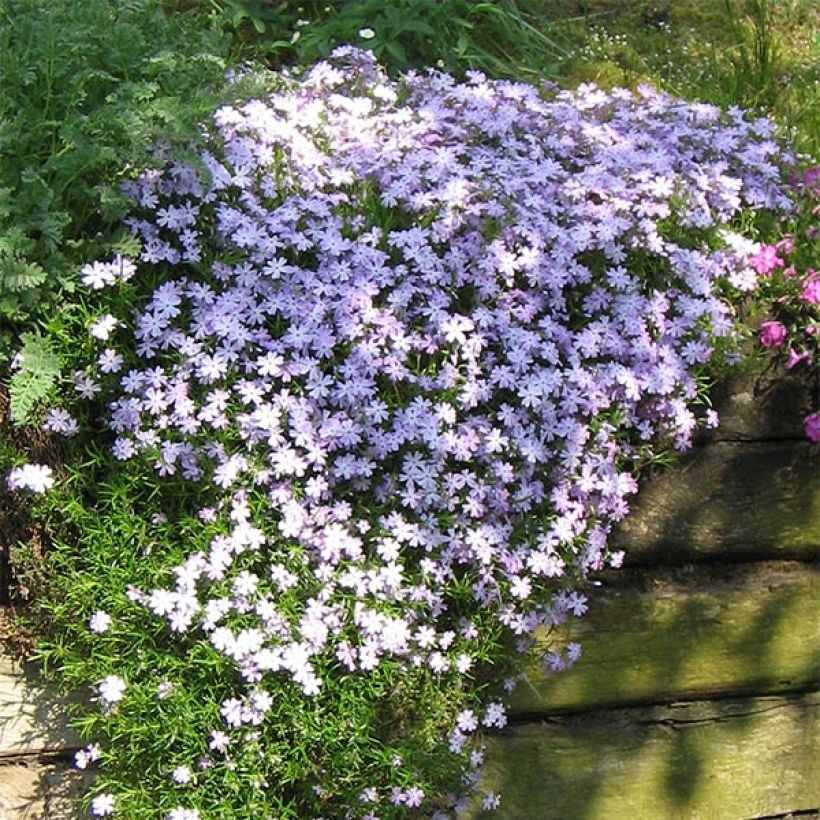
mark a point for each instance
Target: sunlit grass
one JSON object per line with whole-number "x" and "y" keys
{"x": 758, "y": 54}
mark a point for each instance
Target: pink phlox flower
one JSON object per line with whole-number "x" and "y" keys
{"x": 785, "y": 245}
{"x": 811, "y": 424}
{"x": 811, "y": 180}
{"x": 772, "y": 334}
{"x": 766, "y": 260}
{"x": 810, "y": 293}
{"x": 795, "y": 358}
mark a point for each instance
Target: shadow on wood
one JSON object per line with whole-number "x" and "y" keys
{"x": 686, "y": 634}
{"x": 40, "y": 791}
{"x": 716, "y": 760}
{"x": 751, "y": 493}
{"x": 33, "y": 719}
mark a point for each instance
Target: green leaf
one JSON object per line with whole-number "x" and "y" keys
{"x": 17, "y": 275}
{"x": 396, "y": 50}
{"x": 419, "y": 27}
{"x": 39, "y": 367}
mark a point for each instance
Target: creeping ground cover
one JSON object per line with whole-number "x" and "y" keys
{"x": 359, "y": 417}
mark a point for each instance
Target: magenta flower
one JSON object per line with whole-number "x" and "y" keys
{"x": 766, "y": 260}
{"x": 811, "y": 288}
{"x": 772, "y": 334}
{"x": 811, "y": 179}
{"x": 811, "y": 424}
{"x": 785, "y": 245}
{"x": 795, "y": 358}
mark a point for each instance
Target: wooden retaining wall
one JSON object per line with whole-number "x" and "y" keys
{"x": 698, "y": 691}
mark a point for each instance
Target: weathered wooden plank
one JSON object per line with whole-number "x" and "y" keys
{"x": 720, "y": 760}
{"x": 32, "y": 716}
{"x": 765, "y": 405}
{"x": 728, "y": 500}
{"x": 40, "y": 791}
{"x": 687, "y": 633}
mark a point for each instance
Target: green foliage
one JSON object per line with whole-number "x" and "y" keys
{"x": 495, "y": 36}
{"x": 756, "y": 54}
{"x": 37, "y": 371}
{"x": 86, "y": 89}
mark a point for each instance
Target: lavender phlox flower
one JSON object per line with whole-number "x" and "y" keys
{"x": 103, "y": 805}
{"x": 111, "y": 690}
{"x": 60, "y": 421}
{"x": 87, "y": 755}
{"x": 98, "y": 275}
{"x": 34, "y": 477}
{"x": 495, "y": 715}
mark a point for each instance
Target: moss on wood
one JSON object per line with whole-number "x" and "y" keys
{"x": 719, "y": 760}
{"x": 688, "y": 634}
{"x": 728, "y": 500}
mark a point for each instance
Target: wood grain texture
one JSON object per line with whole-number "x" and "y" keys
{"x": 40, "y": 791}
{"x": 32, "y": 715}
{"x": 683, "y": 634}
{"x": 728, "y": 501}
{"x": 720, "y": 760}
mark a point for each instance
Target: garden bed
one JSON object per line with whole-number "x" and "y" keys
{"x": 330, "y": 380}
{"x": 697, "y": 691}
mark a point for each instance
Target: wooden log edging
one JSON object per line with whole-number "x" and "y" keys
{"x": 33, "y": 717}
{"x": 38, "y": 790}
{"x": 717, "y": 760}
{"x": 764, "y": 406}
{"x": 728, "y": 501}
{"x": 687, "y": 634}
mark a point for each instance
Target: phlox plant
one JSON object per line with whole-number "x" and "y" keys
{"x": 789, "y": 287}
{"x": 377, "y": 388}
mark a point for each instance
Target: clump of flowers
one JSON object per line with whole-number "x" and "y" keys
{"x": 411, "y": 342}
{"x": 790, "y": 288}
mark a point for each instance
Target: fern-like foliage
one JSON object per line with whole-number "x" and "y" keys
{"x": 38, "y": 370}
{"x": 87, "y": 87}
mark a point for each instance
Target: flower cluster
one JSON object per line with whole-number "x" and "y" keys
{"x": 414, "y": 339}
{"x": 790, "y": 287}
